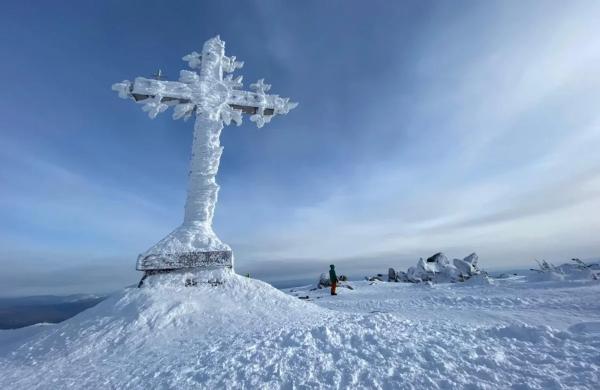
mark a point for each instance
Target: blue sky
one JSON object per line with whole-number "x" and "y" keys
{"x": 423, "y": 126}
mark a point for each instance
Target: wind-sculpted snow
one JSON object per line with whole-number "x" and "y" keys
{"x": 245, "y": 334}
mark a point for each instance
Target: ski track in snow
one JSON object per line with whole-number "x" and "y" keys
{"x": 247, "y": 335}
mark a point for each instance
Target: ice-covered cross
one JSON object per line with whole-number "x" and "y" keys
{"x": 214, "y": 100}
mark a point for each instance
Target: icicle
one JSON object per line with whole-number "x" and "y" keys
{"x": 154, "y": 106}
{"x": 183, "y": 111}
{"x": 123, "y": 88}
{"x": 193, "y": 59}
{"x": 188, "y": 77}
{"x": 233, "y": 83}
{"x": 260, "y": 87}
{"x": 230, "y": 64}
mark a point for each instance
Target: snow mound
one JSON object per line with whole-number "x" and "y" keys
{"x": 140, "y": 330}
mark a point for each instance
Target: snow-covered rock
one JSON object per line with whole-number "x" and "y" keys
{"x": 396, "y": 276}
{"x": 324, "y": 280}
{"x": 577, "y": 270}
{"x": 375, "y": 278}
{"x": 392, "y": 276}
{"x": 438, "y": 268}
{"x": 467, "y": 266}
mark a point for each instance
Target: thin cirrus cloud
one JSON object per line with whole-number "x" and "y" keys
{"x": 516, "y": 145}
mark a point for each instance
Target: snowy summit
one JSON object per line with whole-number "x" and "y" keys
{"x": 242, "y": 333}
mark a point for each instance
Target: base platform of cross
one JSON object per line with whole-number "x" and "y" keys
{"x": 171, "y": 261}
{"x": 178, "y": 262}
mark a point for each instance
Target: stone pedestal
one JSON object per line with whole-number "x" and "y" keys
{"x": 196, "y": 259}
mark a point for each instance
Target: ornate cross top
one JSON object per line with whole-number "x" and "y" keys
{"x": 207, "y": 91}
{"x": 214, "y": 100}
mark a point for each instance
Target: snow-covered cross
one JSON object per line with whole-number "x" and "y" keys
{"x": 214, "y": 100}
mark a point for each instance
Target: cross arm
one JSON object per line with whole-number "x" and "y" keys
{"x": 143, "y": 88}
{"x": 259, "y": 105}
{"x": 157, "y": 95}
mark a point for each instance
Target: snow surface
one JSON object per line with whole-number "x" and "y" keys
{"x": 245, "y": 334}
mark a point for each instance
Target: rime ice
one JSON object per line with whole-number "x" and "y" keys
{"x": 214, "y": 100}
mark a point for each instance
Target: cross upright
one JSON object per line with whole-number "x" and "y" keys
{"x": 214, "y": 100}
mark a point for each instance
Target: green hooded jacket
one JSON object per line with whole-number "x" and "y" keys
{"x": 332, "y": 275}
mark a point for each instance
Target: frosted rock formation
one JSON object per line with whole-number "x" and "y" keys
{"x": 435, "y": 268}
{"x": 324, "y": 281}
{"x": 468, "y": 265}
{"x": 396, "y": 276}
{"x": 438, "y": 268}
{"x": 392, "y": 275}
{"x": 577, "y": 270}
{"x": 214, "y": 100}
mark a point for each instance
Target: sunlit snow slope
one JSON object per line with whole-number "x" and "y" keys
{"x": 246, "y": 334}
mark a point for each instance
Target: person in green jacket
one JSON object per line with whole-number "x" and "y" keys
{"x": 332, "y": 279}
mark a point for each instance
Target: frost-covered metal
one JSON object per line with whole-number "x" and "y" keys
{"x": 214, "y": 100}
